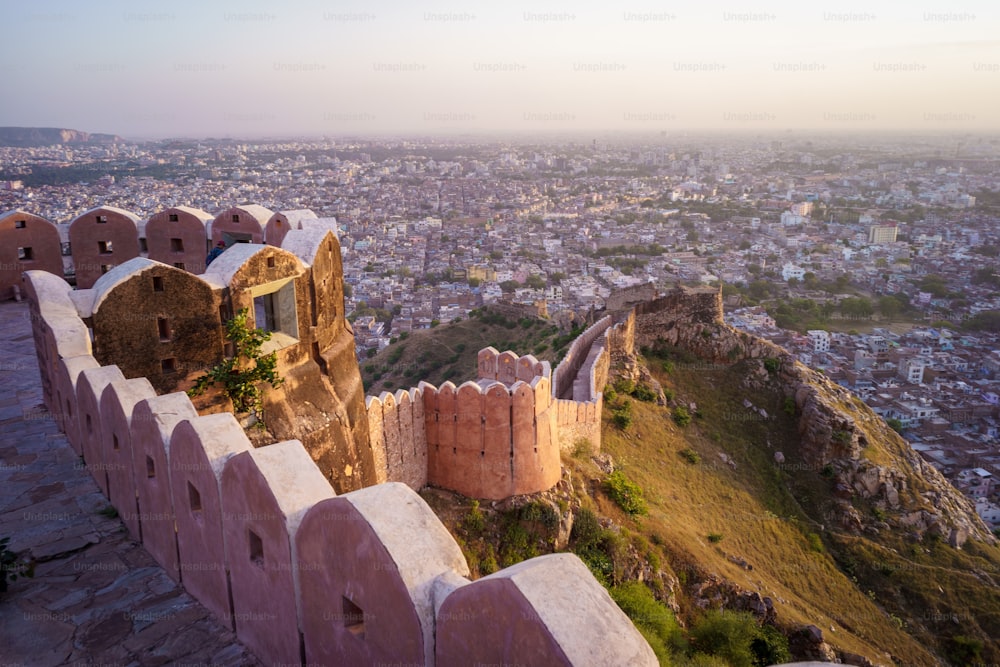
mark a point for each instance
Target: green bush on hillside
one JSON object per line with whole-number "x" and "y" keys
{"x": 653, "y": 619}
{"x": 626, "y": 493}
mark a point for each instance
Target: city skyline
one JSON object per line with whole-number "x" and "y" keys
{"x": 252, "y": 70}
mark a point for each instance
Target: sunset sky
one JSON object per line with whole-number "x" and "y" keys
{"x": 243, "y": 69}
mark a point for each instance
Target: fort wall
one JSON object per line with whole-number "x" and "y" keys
{"x": 262, "y": 540}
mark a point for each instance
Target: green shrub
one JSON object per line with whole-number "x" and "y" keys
{"x": 474, "y": 522}
{"x": 621, "y": 419}
{"x": 624, "y": 386}
{"x": 770, "y": 647}
{"x": 626, "y": 493}
{"x": 541, "y": 512}
{"x": 242, "y": 374}
{"x": 653, "y": 619}
{"x": 516, "y": 545}
{"x": 841, "y": 437}
{"x": 644, "y": 393}
{"x": 715, "y": 538}
{"x": 789, "y": 406}
{"x": 962, "y": 650}
{"x": 690, "y": 455}
{"x": 488, "y": 565}
{"x": 772, "y": 365}
{"x": 681, "y": 416}
{"x": 739, "y": 640}
{"x": 586, "y": 530}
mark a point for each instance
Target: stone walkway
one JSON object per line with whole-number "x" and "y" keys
{"x": 97, "y": 597}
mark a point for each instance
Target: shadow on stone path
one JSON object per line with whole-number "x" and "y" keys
{"x": 97, "y": 597}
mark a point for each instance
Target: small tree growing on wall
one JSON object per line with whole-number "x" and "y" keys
{"x": 241, "y": 374}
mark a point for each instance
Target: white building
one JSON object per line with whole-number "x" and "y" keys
{"x": 820, "y": 340}
{"x": 791, "y": 271}
{"x": 789, "y": 219}
{"x": 988, "y": 512}
{"x": 912, "y": 370}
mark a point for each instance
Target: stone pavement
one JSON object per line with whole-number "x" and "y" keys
{"x": 97, "y": 597}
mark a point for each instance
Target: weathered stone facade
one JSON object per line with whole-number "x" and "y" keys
{"x": 153, "y": 321}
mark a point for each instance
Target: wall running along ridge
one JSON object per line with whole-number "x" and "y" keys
{"x": 500, "y": 435}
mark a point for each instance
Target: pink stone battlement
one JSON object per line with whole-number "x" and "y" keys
{"x": 508, "y": 368}
{"x": 372, "y": 576}
{"x": 500, "y": 435}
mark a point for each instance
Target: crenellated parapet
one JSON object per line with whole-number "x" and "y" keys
{"x": 489, "y": 440}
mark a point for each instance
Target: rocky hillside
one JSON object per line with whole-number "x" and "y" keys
{"x": 734, "y": 477}
{"x": 48, "y": 136}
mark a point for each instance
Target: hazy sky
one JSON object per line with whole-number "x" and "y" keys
{"x": 181, "y": 68}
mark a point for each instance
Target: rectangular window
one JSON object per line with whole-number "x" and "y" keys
{"x": 163, "y": 326}
{"x": 157, "y": 284}
{"x": 354, "y": 619}
{"x": 102, "y": 219}
{"x": 256, "y": 549}
{"x": 106, "y": 267}
{"x": 19, "y": 224}
{"x": 90, "y": 425}
{"x": 150, "y": 468}
{"x": 168, "y": 365}
{"x": 114, "y": 441}
{"x": 263, "y": 312}
{"x": 270, "y": 262}
{"x": 172, "y": 217}
{"x": 143, "y": 245}
{"x": 236, "y": 217}
{"x": 179, "y": 265}
{"x": 25, "y": 254}
{"x": 276, "y": 311}
{"x": 176, "y": 245}
{"x": 105, "y": 247}
{"x": 194, "y": 498}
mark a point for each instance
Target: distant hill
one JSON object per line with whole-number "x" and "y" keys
{"x": 47, "y": 136}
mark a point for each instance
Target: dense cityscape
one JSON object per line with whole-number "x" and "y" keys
{"x": 873, "y": 260}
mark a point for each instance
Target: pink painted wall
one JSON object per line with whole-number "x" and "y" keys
{"x": 89, "y": 387}
{"x": 265, "y": 493}
{"x": 187, "y": 230}
{"x": 68, "y": 413}
{"x": 117, "y": 404}
{"x": 199, "y": 449}
{"x": 153, "y": 422}
{"x": 86, "y": 234}
{"x": 30, "y": 235}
